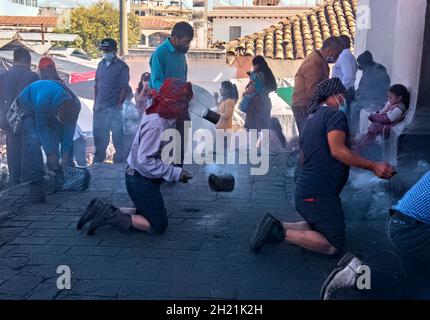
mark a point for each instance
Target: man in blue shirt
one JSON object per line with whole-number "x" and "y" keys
{"x": 48, "y": 108}
{"x": 168, "y": 60}
{"x": 408, "y": 230}
{"x": 111, "y": 90}
{"x": 12, "y": 82}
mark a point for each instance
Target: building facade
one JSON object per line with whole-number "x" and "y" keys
{"x": 157, "y": 19}
{"x": 64, "y": 13}
{"x": 19, "y": 8}
{"x": 228, "y": 22}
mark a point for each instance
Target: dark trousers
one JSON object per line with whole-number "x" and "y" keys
{"x": 411, "y": 243}
{"x": 146, "y": 196}
{"x": 105, "y": 121}
{"x": 18, "y": 172}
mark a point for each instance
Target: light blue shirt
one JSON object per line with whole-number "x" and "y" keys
{"x": 43, "y": 98}
{"x": 167, "y": 62}
{"x": 416, "y": 202}
{"x": 346, "y": 68}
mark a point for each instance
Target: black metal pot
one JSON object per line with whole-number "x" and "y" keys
{"x": 221, "y": 183}
{"x": 211, "y": 116}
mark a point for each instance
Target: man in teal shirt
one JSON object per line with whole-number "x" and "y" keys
{"x": 168, "y": 60}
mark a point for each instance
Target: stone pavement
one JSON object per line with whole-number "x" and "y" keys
{"x": 203, "y": 255}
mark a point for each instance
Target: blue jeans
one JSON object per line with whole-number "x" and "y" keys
{"x": 411, "y": 243}
{"x": 106, "y": 120}
{"x": 146, "y": 196}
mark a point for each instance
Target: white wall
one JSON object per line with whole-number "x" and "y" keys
{"x": 395, "y": 38}
{"x": 300, "y": 3}
{"x": 13, "y": 9}
{"x": 408, "y": 46}
{"x": 221, "y": 27}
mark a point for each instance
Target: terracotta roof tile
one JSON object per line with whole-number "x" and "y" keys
{"x": 156, "y": 23}
{"x": 297, "y": 36}
{"x": 28, "y": 21}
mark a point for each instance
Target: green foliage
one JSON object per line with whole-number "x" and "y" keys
{"x": 100, "y": 21}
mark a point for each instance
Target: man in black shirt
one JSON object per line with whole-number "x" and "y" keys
{"x": 326, "y": 159}
{"x": 12, "y": 82}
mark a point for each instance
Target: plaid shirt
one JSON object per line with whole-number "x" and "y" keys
{"x": 416, "y": 202}
{"x": 110, "y": 80}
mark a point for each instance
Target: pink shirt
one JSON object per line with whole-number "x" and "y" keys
{"x": 145, "y": 154}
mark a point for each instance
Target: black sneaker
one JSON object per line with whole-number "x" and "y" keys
{"x": 90, "y": 212}
{"x": 268, "y": 231}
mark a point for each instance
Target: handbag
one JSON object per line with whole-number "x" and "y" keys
{"x": 246, "y": 102}
{"x": 15, "y": 116}
{"x": 75, "y": 179}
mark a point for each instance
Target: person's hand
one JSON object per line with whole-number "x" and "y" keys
{"x": 145, "y": 90}
{"x": 185, "y": 176}
{"x": 383, "y": 170}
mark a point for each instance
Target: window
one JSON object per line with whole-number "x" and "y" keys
{"x": 235, "y": 32}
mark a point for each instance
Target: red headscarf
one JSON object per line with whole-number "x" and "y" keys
{"x": 46, "y": 63}
{"x": 171, "y": 102}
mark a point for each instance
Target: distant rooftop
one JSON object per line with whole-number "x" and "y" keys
{"x": 26, "y": 21}
{"x": 156, "y": 23}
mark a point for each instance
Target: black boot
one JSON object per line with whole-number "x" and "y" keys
{"x": 268, "y": 231}
{"x": 110, "y": 215}
{"x": 90, "y": 212}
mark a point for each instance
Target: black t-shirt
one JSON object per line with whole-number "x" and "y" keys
{"x": 322, "y": 175}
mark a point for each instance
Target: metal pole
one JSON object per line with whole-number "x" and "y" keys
{"x": 205, "y": 23}
{"x": 43, "y": 35}
{"x": 123, "y": 28}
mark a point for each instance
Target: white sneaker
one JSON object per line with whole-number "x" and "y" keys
{"x": 341, "y": 278}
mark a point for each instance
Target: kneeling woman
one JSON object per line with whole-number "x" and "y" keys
{"x": 146, "y": 170}
{"x": 326, "y": 159}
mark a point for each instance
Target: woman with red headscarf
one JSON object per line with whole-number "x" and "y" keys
{"x": 147, "y": 168}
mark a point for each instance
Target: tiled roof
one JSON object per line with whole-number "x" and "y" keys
{"x": 157, "y": 23}
{"x": 297, "y": 36}
{"x": 28, "y": 21}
